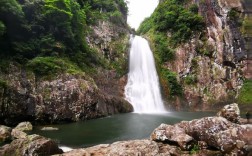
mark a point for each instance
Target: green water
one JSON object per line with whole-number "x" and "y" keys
{"x": 114, "y": 128}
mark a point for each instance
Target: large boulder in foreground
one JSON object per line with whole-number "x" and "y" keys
{"x": 34, "y": 145}
{"x": 129, "y": 148}
{"x": 5, "y": 133}
{"x": 135, "y": 148}
{"x": 216, "y": 132}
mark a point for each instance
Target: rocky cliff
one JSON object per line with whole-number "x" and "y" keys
{"x": 212, "y": 65}
{"x": 218, "y": 61}
{"x": 46, "y": 88}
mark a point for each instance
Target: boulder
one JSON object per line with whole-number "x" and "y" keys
{"x": 233, "y": 140}
{"x": 168, "y": 133}
{"x": 136, "y": 148}
{"x": 208, "y": 132}
{"x": 231, "y": 112}
{"x": 17, "y": 134}
{"x": 24, "y": 126}
{"x": 129, "y": 148}
{"x": 5, "y": 133}
{"x": 34, "y": 145}
{"x": 49, "y": 129}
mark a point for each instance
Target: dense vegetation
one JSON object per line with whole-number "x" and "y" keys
{"x": 174, "y": 22}
{"x": 245, "y": 93}
{"x": 53, "y": 29}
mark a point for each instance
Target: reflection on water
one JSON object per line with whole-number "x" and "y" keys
{"x": 114, "y": 128}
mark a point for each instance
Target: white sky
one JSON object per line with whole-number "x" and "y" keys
{"x": 139, "y": 10}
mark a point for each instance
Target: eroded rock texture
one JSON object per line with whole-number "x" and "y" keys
{"x": 215, "y": 58}
{"x": 34, "y": 145}
{"x": 65, "y": 98}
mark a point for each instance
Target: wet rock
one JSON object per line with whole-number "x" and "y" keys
{"x": 231, "y": 112}
{"x": 137, "y": 148}
{"x": 129, "y": 148}
{"x": 49, "y": 129}
{"x": 233, "y": 140}
{"x": 31, "y": 145}
{"x": 17, "y": 134}
{"x": 168, "y": 133}
{"x": 207, "y": 132}
{"x": 5, "y": 133}
{"x": 24, "y": 126}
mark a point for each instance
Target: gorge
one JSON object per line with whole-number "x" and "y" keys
{"x": 68, "y": 65}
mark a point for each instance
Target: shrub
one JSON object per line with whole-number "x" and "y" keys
{"x": 145, "y": 26}
{"x": 245, "y": 93}
{"x": 162, "y": 48}
{"x": 190, "y": 79}
{"x": 51, "y": 66}
{"x": 194, "y": 8}
{"x": 174, "y": 87}
{"x": 3, "y": 84}
{"x": 205, "y": 49}
{"x": 2, "y": 28}
{"x": 172, "y": 16}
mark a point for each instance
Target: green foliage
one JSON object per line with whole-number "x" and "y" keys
{"x": 2, "y": 28}
{"x": 162, "y": 48}
{"x": 49, "y": 66}
{"x": 12, "y": 9}
{"x": 12, "y": 21}
{"x": 174, "y": 87}
{"x": 205, "y": 49}
{"x": 3, "y": 84}
{"x": 113, "y": 10}
{"x": 194, "y": 63}
{"x": 118, "y": 62}
{"x": 195, "y": 149}
{"x": 145, "y": 26}
{"x": 194, "y": 8}
{"x": 245, "y": 96}
{"x": 116, "y": 17}
{"x": 246, "y": 28}
{"x": 233, "y": 14}
{"x": 38, "y": 33}
{"x": 172, "y": 16}
{"x": 190, "y": 79}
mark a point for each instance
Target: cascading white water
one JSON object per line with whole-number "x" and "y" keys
{"x": 142, "y": 89}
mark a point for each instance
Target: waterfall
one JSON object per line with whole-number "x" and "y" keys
{"x": 142, "y": 89}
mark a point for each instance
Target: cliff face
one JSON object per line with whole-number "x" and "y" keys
{"x": 111, "y": 41}
{"x": 215, "y": 58}
{"x": 51, "y": 91}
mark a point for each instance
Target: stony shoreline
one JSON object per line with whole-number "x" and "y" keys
{"x": 224, "y": 134}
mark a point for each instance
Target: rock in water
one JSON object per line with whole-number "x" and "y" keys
{"x": 5, "y": 133}
{"x": 231, "y": 112}
{"x": 172, "y": 134}
{"x": 215, "y": 132}
{"x": 17, "y": 134}
{"x": 32, "y": 145}
{"x": 24, "y": 126}
{"x": 49, "y": 129}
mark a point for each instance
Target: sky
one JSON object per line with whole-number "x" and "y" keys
{"x": 139, "y": 10}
